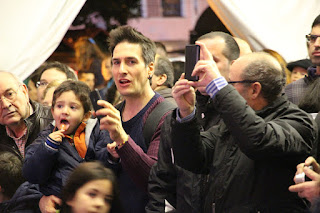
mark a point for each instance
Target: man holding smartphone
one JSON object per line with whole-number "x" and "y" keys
{"x": 183, "y": 189}
{"x": 253, "y": 153}
{"x": 131, "y": 156}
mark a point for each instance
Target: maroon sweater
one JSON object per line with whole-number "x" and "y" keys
{"x": 137, "y": 159}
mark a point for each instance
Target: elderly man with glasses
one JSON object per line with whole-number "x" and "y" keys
{"x": 296, "y": 90}
{"x": 252, "y": 154}
{"x": 20, "y": 119}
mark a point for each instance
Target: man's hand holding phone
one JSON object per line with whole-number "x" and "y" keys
{"x": 184, "y": 95}
{"x": 95, "y": 96}
{"x": 206, "y": 68}
{"x": 111, "y": 121}
{"x": 307, "y": 188}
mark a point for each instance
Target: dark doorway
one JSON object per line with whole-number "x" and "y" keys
{"x": 206, "y": 23}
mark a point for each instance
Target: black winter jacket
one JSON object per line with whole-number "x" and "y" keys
{"x": 184, "y": 190}
{"x": 167, "y": 181}
{"x": 36, "y": 122}
{"x": 252, "y": 156}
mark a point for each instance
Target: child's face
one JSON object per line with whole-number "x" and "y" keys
{"x": 297, "y": 73}
{"x": 68, "y": 110}
{"x": 94, "y": 196}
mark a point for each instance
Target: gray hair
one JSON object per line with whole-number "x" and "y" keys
{"x": 164, "y": 66}
{"x": 266, "y": 70}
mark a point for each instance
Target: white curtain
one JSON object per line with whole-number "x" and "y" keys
{"x": 280, "y": 25}
{"x": 30, "y": 31}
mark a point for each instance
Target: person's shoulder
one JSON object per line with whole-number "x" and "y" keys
{"x": 28, "y": 188}
{"x": 92, "y": 123}
{"x": 25, "y": 199}
{"x": 296, "y": 83}
{"x": 292, "y": 111}
{"x": 162, "y": 105}
{"x": 44, "y": 132}
{"x": 40, "y": 109}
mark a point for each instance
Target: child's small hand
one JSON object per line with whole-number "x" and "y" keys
{"x": 57, "y": 135}
{"x": 111, "y": 149}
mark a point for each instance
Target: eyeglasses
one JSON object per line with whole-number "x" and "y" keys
{"x": 312, "y": 38}
{"x": 41, "y": 84}
{"x": 10, "y": 95}
{"x": 241, "y": 82}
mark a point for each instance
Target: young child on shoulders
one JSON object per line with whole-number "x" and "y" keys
{"x": 72, "y": 139}
{"x": 91, "y": 188}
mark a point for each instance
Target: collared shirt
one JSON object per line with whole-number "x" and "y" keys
{"x": 21, "y": 141}
{"x": 215, "y": 86}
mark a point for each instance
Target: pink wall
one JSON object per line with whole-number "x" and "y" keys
{"x": 167, "y": 29}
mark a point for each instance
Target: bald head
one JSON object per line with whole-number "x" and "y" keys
{"x": 261, "y": 57}
{"x": 4, "y": 76}
{"x": 263, "y": 68}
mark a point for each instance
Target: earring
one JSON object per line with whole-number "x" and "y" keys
{"x": 150, "y": 76}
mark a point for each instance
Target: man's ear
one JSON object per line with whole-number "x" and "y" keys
{"x": 87, "y": 116}
{"x": 150, "y": 69}
{"x": 161, "y": 79}
{"x": 25, "y": 90}
{"x": 256, "y": 89}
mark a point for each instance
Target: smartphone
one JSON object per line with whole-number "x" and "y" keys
{"x": 300, "y": 178}
{"x": 192, "y": 54}
{"x": 95, "y": 96}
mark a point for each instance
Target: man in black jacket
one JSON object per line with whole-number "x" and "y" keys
{"x": 252, "y": 155}
{"x": 181, "y": 188}
{"x": 20, "y": 119}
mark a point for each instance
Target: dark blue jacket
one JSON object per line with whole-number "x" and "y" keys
{"x": 50, "y": 168}
{"x": 25, "y": 200}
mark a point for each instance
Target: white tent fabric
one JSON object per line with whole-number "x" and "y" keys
{"x": 31, "y": 30}
{"x": 273, "y": 24}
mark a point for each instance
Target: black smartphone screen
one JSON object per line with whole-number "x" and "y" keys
{"x": 192, "y": 57}
{"x": 95, "y": 96}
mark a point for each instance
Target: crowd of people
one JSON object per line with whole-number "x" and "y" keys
{"x": 239, "y": 139}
